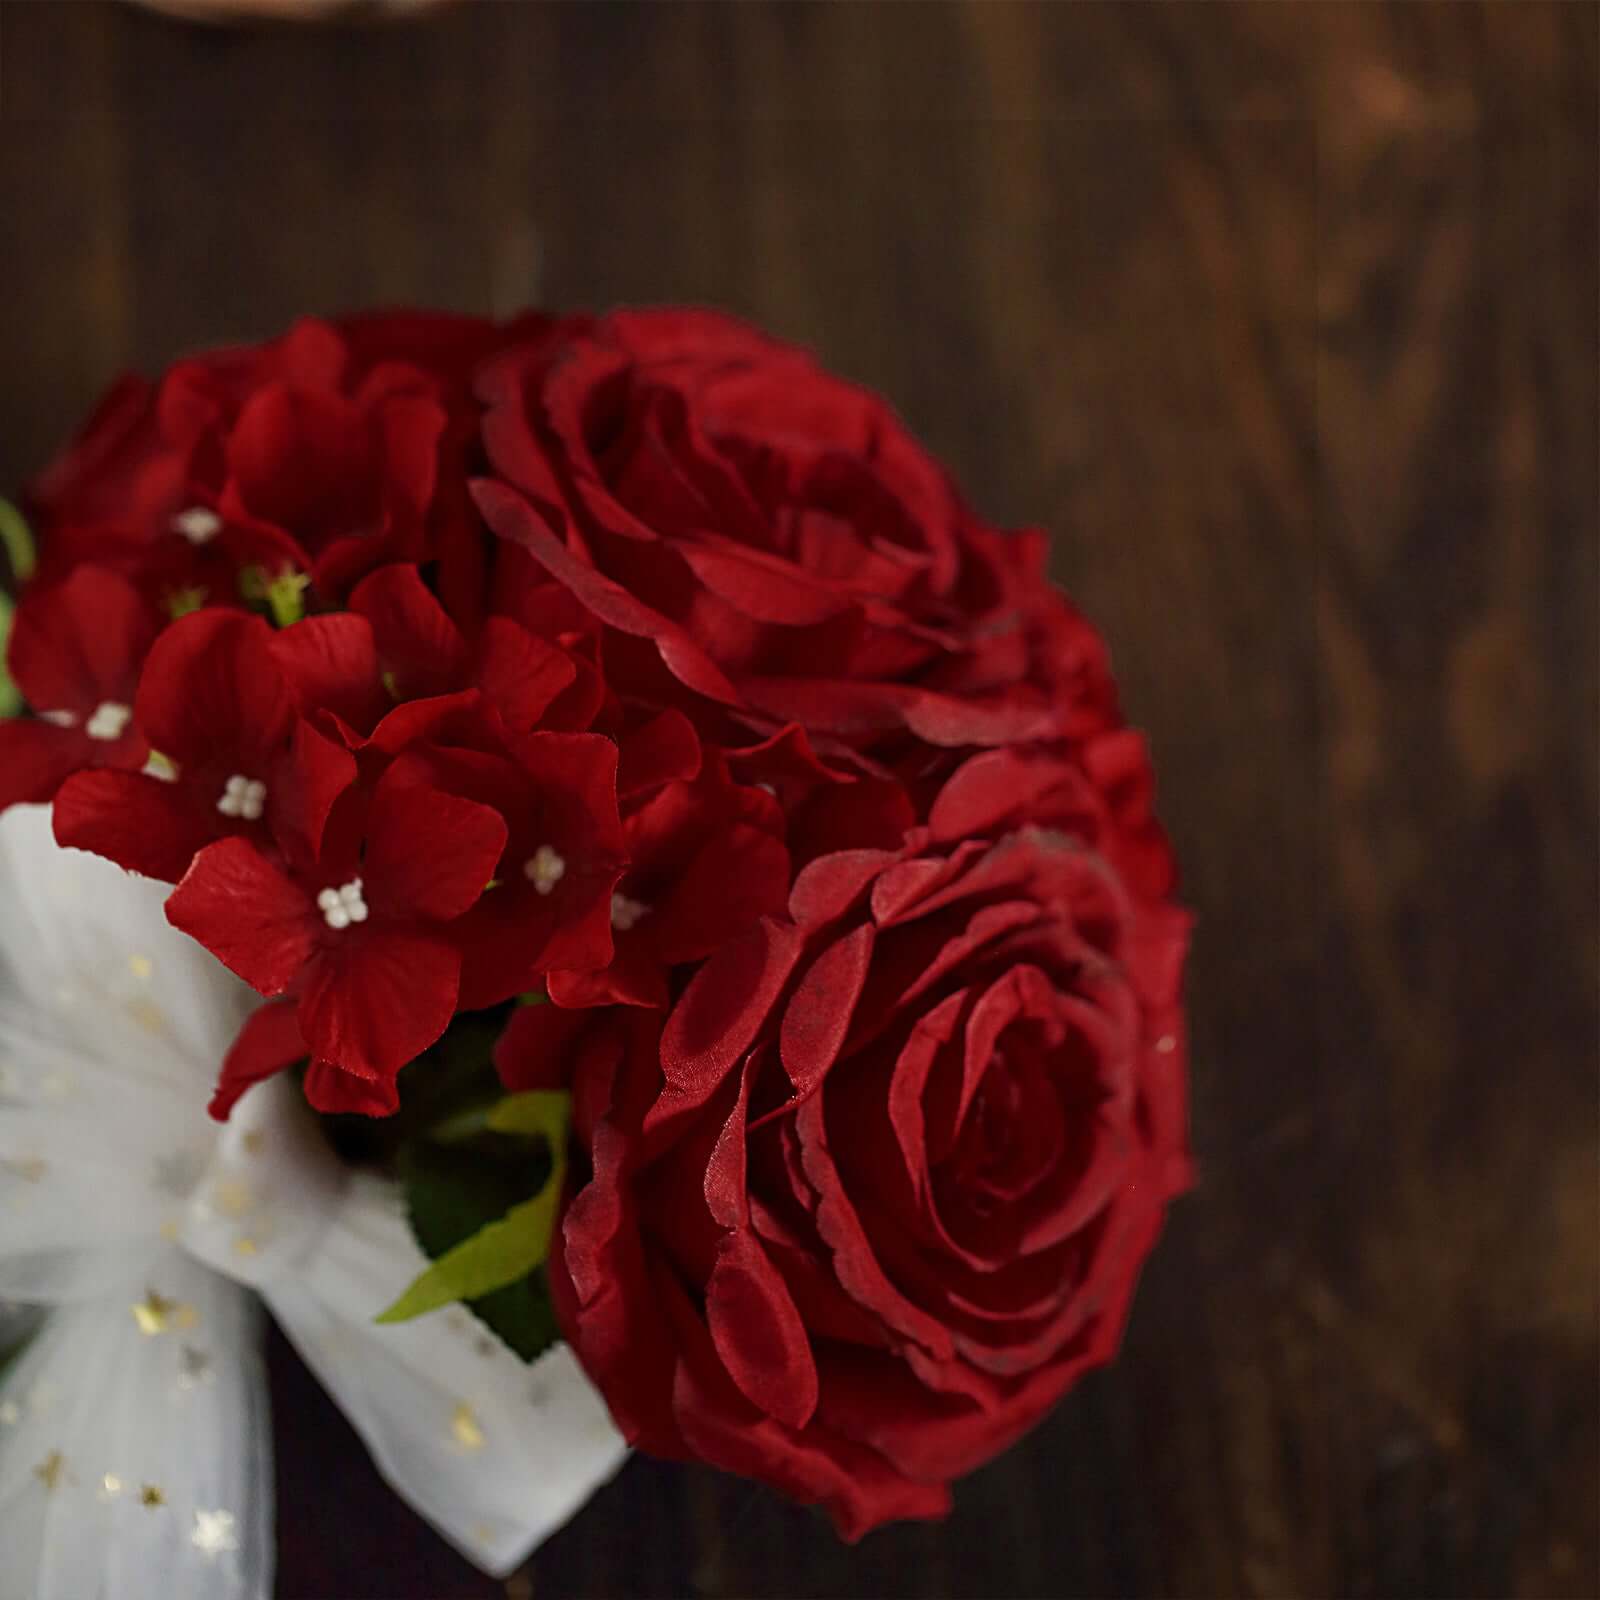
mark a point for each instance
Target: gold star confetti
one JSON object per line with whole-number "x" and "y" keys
{"x": 244, "y": 1245}
{"x": 141, "y": 966}
{"x": 49, "y": 1471}
{"x": 194, "y": 1367}
{"x": 10, "y": 1413}
{"x": 213, "y": 1533}
{"x": 151, "y": 1496}
{"x": 110, "y": 1486}
{"x": 231, "y": 1197}
{"x": 254, "y": 1142}
{"x": 148, "y": 1015}
{"x": 153, "y": 1314}
{"x": 464, "y": 1426}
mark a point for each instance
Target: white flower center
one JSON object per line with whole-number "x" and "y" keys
{"x": 110, "y": 720}
{"x": 625, "y": 912}
{"x": 344, "y": 905}
{"x": 199, "y": 524}
{"x": 243, "y": 797}
{"x": 544, "y": 869}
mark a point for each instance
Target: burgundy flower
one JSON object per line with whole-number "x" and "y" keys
{"x": 770, "y": 533}
{"x": 270, "y": 1042}
{"x": 423, "y": 653}
{"x": 75, "y": 652}
{"x": 706, "y": 860}
{"x": 236, "y": 759}
{"x": 365, "y": 933}
{"x": 550, "y": 904}
{"x": 877, "y": 1190}
{"x": 330, "y": 451}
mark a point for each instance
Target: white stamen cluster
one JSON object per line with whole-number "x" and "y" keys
{"x": 110, "y": 721}
{"x": 344, "y": 905}
{"x": 199, "y": 524}
{"x": 625, "y": 913}
{"x": 544, "y": 869}
{"x": 243, "y": 797}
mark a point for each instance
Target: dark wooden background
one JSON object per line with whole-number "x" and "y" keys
{"x": 1284, "y": 317}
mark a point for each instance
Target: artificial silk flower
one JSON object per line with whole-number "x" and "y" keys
{"x": 630, "y": 706}
{"x": 363, "y": 932}
{"x": 75, "y": 652}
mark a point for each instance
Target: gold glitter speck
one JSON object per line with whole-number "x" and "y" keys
{"x": 49, "y": 1471}
{"x": 148, "y": 1015}
{"x": 110, "y": 1486}
{"x": 244, "y": 1245}
{"x": 254, "y": 1142}
{"x": 153, "y": 1314}
{"x": 464, "y": 1427}
{"x": 31, "y": 1169}
{"x": 141, "y": 966}
{"x": 231, "y": 1197}
{"x": 151, "y": 1496}
{"x": 10, "y": 1413}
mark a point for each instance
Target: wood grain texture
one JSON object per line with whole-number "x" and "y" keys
{"x": 1283, "y": 317}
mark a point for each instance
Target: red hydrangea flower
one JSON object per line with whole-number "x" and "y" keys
{"x": 236, "y": 757}
{"x": 365, "y": 934}
{"x": 75, "y": 652}
{"x": 706, "y": 860}
{"x": 329, "y": 451}
{"x": 550, "y": 902}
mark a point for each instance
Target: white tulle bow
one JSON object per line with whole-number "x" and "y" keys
{"x": 135, "y": 1455}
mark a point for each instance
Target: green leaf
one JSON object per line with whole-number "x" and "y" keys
{"x": 540, "y": 1112}
{"x": 10, "y": 694}
{"x": 483, "y": 1206}
{"x": 18, "y": 542}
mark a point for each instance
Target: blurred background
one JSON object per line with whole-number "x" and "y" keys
{"x": 1283, "y": 318}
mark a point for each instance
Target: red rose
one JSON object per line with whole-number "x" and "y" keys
{"x": 329, "y": 451}
{"x": 769, "y": 535}
{"x": 877, "y": 1189}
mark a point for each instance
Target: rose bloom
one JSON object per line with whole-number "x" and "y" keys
{"x": 876, "y": 1190}
{"x": 759, "y": 538}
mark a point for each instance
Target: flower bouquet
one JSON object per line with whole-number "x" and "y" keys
{"x": 658, "y": 901}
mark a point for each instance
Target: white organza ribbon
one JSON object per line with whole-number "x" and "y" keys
{"x": 134, "y": 1438}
